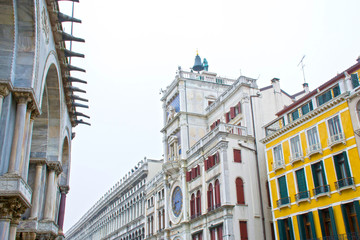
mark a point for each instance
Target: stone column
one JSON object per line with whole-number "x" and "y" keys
{"x": 64, "y": 190}
{"x": 184, "y": 191}
{"x": 4, "y": 91}
{"x": 5, "y": 217}
{"x": 228, "y": 228}
{"x": 28, "y": 146}
{"x": 16, "y": 147}
{"x": 54, "y": 168}
{"x": 36, "y": 193}
{"x": 13, "y": 227}
{"x": 225, "y": 188}
{"x": 16, "y": 208}
{"x": 24, "y": 143}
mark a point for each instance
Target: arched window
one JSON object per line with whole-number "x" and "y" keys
{"x": 210, "y": 198}
{"x": 192, "y": 206}
{"x": 198, "y": 203}
{"x": 240, "y": 191}
{"x": 217, "y": 194}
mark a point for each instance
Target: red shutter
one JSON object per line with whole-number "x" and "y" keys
{"x": 217, "y": 122}
{"x": 212, "y": 126}
{"x": 212, "y": 234}
{"x": 239, "y": 107}
{"x": 227, "y": 117}
{"x": 243, "y": 230}
{"x": 213, "y": 160}
{"x": 237, "y": 155}
{"x": 232, "y": 112}
{"x": 192, "y": 205}
{"x": 219, "y": 233}
{"x": 198, "y": 170}
{"x": 210, "y": 163}
{"x": 206, "y": 164}
{"x": 193, "y": 173}
{"x": 217, "y": 194}
{"x": 217, "y": 157}
{"x": 188, "y": 176}
{"x": 240, "y": 191}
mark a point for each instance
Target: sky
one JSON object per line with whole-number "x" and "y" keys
{"x": 133, "y": 49}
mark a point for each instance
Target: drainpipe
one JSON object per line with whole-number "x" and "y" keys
{"x": 257, "y": 165}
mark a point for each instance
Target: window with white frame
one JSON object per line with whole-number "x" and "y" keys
{"x": 313, "y": 139}
{"x": 278, "y": 156}
{"x": 335, "y": 131}
{"x": 295, "y": 147}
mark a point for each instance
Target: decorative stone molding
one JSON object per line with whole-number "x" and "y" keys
{"x": 64, "y": 189}
{"x": 4, "y": 90}
{"x": 12, "y": 208}
{"x": 22, "y": 97}
{"x": 15, "y": 186}
{"x": 55, "y": 166}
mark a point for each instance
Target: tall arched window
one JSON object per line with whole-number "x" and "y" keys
{"x": 240, "y": 191}
{"x": 210, "y": 197}
{"x": 192, "y": 206}
{"x": 217, "y": 194}
{"x": 198, "y": 203}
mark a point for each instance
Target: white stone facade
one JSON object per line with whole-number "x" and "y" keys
{"x": 120, "y": 213}
{"x": 37, "y": 116}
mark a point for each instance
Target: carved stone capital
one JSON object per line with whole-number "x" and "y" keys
{"x": 4, "y": 90}
{"x": 12, "y": 208}
{"x": 22, "y": 97}
{"x": 64, "y": 189}
{"x": 55, "y": 166}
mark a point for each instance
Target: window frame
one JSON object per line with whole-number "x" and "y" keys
{"x": 292, "y": 157}
{"x": 275, "y": 163}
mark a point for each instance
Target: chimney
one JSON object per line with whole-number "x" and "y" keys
{"x": 275, "y": 82}
{"x": 306, "y": 88}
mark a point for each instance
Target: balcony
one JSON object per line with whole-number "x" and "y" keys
{"x": 278, "y": 164}
{"x": 321, "y": 191}
{"x": 221, "y": 128}
{"x": 336, "y": 139}
{"x": 296, "y": 157}
{"x": 206, "y": 78}
{"x": 195, "y": 215}
{"x": 283, "y": 202}
{"x": 345, "y": 183}
{"x": 314, "y": 149}
{"x": 302, "y": 197}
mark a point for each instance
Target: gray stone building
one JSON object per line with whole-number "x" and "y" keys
{"x": 37, "y": 116}
{"x": 120, "y": 213}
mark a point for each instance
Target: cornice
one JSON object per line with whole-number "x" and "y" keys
{"x": 308, "y": 116}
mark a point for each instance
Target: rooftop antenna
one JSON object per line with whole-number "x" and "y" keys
{"x": 302, "y": 67}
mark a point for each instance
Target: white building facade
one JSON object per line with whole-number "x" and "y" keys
{"x": 120, "y": 213}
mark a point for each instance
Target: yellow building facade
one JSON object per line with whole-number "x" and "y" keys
{"x": 313, "y": 163}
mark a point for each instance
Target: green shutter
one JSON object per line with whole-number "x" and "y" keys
{"x": 323, "y": 172}
{"x": 357, "y": 210}
{"x": 337, "y": 167}
{"x": 301, "y": 226}
{"x": 281, "y": 228}
{"x": 322, "y": 225}
{"x": 300, "y": 177}
{"x": 346, "y": 219}
{"x": 283, "y": 187}
{"x": 316, "y": 182}
{"x": 333, "y": 223}
{"x": 291, "y": 229}
{"x": 336, "y": 90}
{"x": 354, "y": 80}
{"x": 347, "y": 165}
{"x": 313, "y": 231}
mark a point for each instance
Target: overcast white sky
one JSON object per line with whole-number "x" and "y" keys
{"x": 133, "y": 49}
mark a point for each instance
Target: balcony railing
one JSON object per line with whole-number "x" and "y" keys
{"x": 296, "y": 157}
{"x": 302, "y": 196}
{"x": 336, "y": 139}
{"x": 321, "y": 190}
{"x": 206, "y": 78}
{"x": 283, "y": 202}
{"x": 313, "y": 149}
{"x": 345, "y": 183}
{"x": 346, "y": 236}
{"x": 278, "y": 164}
{"x": 222, "y": 127}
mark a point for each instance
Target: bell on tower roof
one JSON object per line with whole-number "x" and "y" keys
{"x": 198, "y": 66}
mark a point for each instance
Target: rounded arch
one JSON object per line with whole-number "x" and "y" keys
{"x": 65, "y": 162}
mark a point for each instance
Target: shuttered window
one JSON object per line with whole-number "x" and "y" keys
{"x": 327, "y": 222}
{"x": 243, "y": 230}
{"x": 217, "y": 193}
{"x": 282, "y": 187}
{"x": 301, "y": 181}
{"x": 237, "y": 155}
{"x": 240, "y": 191}
{"x": 342, "y": 166}
{"x": 354, "y": 80}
